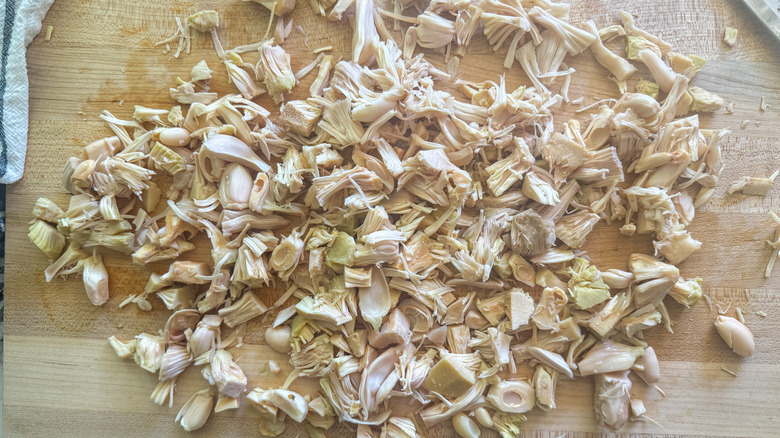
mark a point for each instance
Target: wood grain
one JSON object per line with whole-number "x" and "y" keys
{"x": 62, "y": 378}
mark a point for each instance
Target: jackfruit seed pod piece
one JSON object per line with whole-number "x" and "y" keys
{"x": 176, "y": 298}
{"x": 736, "y": 335}
{"x": 458, "y": 337}
{"x": 205, "y": 335}
{"x": 519, "y": 308}
{"x": 574, "y": 39}
{"x": 611, "y": 399}
{"x": 628, "y": 24}
{"x": 299, "y": 116}
{"x": 277, "y": 74}
{"x": 50, "y": 241}
{"x": 175, "y": 360}
{"x": 235, "y": 187}
{"x": 539, "y": 190}
{"x": 551, "y": 359}
{"x": 163, "y": 392}
{"x": 342, "y": 251}
{"x": 199, "y": 72}
{"x": 662, "y": 73}
{"x": 619, "y": 67}
{"x": 750, "y": 185}
{"x": 109, "y": 209}
{"x": 166, "y": 158}
{"x": 122, "y": 349}
{"x": 292, "y": 403}
{"x": 685, "y": 65}
{"x": 95, "y": 278}
{"x": 364, "y": 431}
{"x": 514, "y": 397}
{"x": 228, "y": 377}
{"x": 586, "y": 286}
{"x": 196, "y": 410}
{"x": 544, "y": 387}
{"x": 357, "y": 341}
{"x": 233, "y": 150}
{"x": 493, "y": 308}
{"x": 280, "y": 8}
{"x": 151, "y": 197}
{"x": 609, "y": 356}
{"x": 646, "y": 267}
{"x": 648, "y": 88}
{"x": 605, "y": 319}
{"x": 637, "y": 408}
{"x": 394, "y": 331}
{"x": 465, "y": 426}
{"x": 703, "y": 101}
{"x": 68, "y": 261}
{"x": 642, "y": 105}
{"x": 287, "y": 254}
{"x": 247, "y": 307}
{"x": 686, "y": 292}
{"x": 651, "y": 371}
{"x": 573, "y": 229}
{"x": 531, "y": 234}
{"x": 617, "y": 279}
{"x": 475, "y": 321}
{"x": 374, "y": 301}
{"x": 178, "y": 323}
{"x": 241, "y": 78}
{"x": 45, "y": 209}
{"x": 103, "y": 148}
{"x": 149, "y": 350}
{"x": 635, "y": 44}
{"x": 452, "y": 375}
{"x": 547, "y": 312}
{"x": 225, "y": 403}
{"x": 183, "y": 271}
{"x": 204, "y": 21}
{"x": 654, "y": 277}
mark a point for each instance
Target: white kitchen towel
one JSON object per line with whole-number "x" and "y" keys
{"x": 21, "y": 22}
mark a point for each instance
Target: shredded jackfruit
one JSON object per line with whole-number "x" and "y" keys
{"x": 400, "y": 218}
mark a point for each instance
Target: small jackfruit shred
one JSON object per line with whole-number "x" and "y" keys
{"x": 407, "y": 223}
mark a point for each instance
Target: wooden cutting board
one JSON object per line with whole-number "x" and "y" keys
{"x": 62, "y": 378}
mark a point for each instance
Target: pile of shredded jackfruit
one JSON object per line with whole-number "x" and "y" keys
{"x": 429, "y": 241}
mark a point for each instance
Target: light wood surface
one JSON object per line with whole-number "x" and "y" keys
{"x": 62, "y": 378}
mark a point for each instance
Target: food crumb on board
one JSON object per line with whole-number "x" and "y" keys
{"x": 740, "y": 316}
{"x": 733, "y": 373}
{"x": 744, "y": 124}
{"x": 708, "y": 301}
{"x": 761, "y": 313}
{"x": 49, "y": 31}
{"x": 729, "y": 107}
{"x": 322, "y": 49}
{"x": 762, "y": 105}
{"x": 730, "y": 36}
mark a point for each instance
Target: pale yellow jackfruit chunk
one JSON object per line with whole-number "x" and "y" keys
{"x": 587, "y": 287}
{"x": 450, "y": 377}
